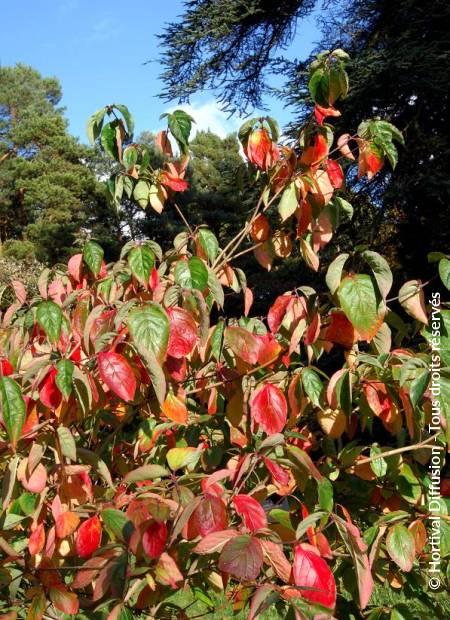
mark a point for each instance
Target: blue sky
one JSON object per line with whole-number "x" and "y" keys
{"x": 97, "y": 51}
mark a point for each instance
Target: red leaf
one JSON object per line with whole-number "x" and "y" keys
{"x": 154, "y": 539}
{"x": 167, "y": 571}
{"x": 7, "y": 368}
{"x": 49, "y": 394}
{"x": 311, "y": 571}
{"x": 176, "y": 183}
{"x": 209, "y": 516}
{"x": 340, "y": 330}
{"x": 63, "y": 600}
{"x": 89, "y": 536}
{"x": 251, "y": 512}
{"x": 269, "y": 349}
{"x": 74, "y": 266}
{"x": 248, "y": 300}
{"x": 34, "y": 482}
{"x": 321, "y": 113}
{"x": 312, "y": 333}
{"x": 183, "y": 333}
{"x": 66, "y": 524}
{"x": 214, "y": 542}
{"x": 176, "y": 367}
{"x": 260, "y": 229}
{"x": 37, "y": 540}
{"x": 335, "y": 173}
{"x": 280, "y": 475}
{"x": 274, "y": 556}
{"x": 175, "y": 409}
{"x": 243, "y": 343}
{"x": 118, "y": 375}
{"x": 268, "y": 407}
{"x": 277, "y": 312}
{"x": 260, "y": 150}
{"x": 242, "y": 557}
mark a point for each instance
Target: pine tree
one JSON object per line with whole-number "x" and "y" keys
{"x": 46, "y": 191}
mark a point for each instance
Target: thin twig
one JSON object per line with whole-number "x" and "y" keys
{"x": 417, "y": 446}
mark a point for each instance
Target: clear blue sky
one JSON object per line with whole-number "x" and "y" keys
{"x": 97, "y": 51}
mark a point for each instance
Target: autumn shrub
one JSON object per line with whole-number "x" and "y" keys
{"x": 277, "y": 462}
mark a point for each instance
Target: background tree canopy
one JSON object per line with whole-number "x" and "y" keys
{"x": 399, "y": 70}
{"x": 46, "y": 191}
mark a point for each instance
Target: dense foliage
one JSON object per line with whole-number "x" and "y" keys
{"x": 46, "y": 191}
{"x": 150, "y": 444}
{"x": 399, "y": 68}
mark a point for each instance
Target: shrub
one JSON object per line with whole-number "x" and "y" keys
{"x": 281, "y": 461}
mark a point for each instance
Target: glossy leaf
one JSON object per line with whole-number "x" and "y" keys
{"x": 88, "y": 538}
{"x": 141, "y": 261}
{"x": 93, "y": 257}
{"x": 154, "y": 539}
{"x": 183, "y": 334}
{"x": 118, "y": 375}
{"x": 242, "y": 557}
{"x": 251, "y": 512}
{"x": 49, "y": 316}
{"x": 401, "y": 547}
{"x": 268, "y": 407}
{"x": 314, "y": 576}
{"x": 13, "y": 408}
{"x": 360, "y": 302}
{"x": 149, "y": 327}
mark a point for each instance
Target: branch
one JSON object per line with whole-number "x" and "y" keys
{"x": 417, "y": 446}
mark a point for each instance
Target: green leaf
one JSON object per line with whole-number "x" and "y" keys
{"x": 141, "y": 193}
{"x": 146, "y": 472}
{"x": 325, "y": 493}
{"x": 444, "y": 272}
{"x": 141, "y": 261}
{"x": 67, "y": 442}
{"x": 312, "y": 385}
{"x": 408, "y": 485}
{"x": 64, "y": 376}
{"x": 149, "y": 327}
{"x": 127, "y": 116}
{"x": 289, "y": 202}
{"x": 334, "y": 272}
{"x": 12, "y": 407}
{"x": 108, "y": 139}
{"x": 360, "y": 301}
{"x": 155, "y": 371}
{"x": 418, "y": 386}
{"x": 217, "y": 339}
{"x": 381, "y": 271}
{"x": 308, "y": 522}
{"x": 93, "y": 256}
{"x": 215, "y": 288}
{"x": 400, "y": 546}
{"x": 177, "y": 458}
{"x": 94, "y": 125}
{"x": 209, "y": 244}
{"x": 180, "y": 124}
{"x": 117, "y": 523}
{"x": 344, "y": 393}
{"x": 319, "y": 86}
{"x": 129, "y": 157}
{"x": 378, "y": 466}
{"x": 191, "y": 274}
{"x": 49, "y": 316}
